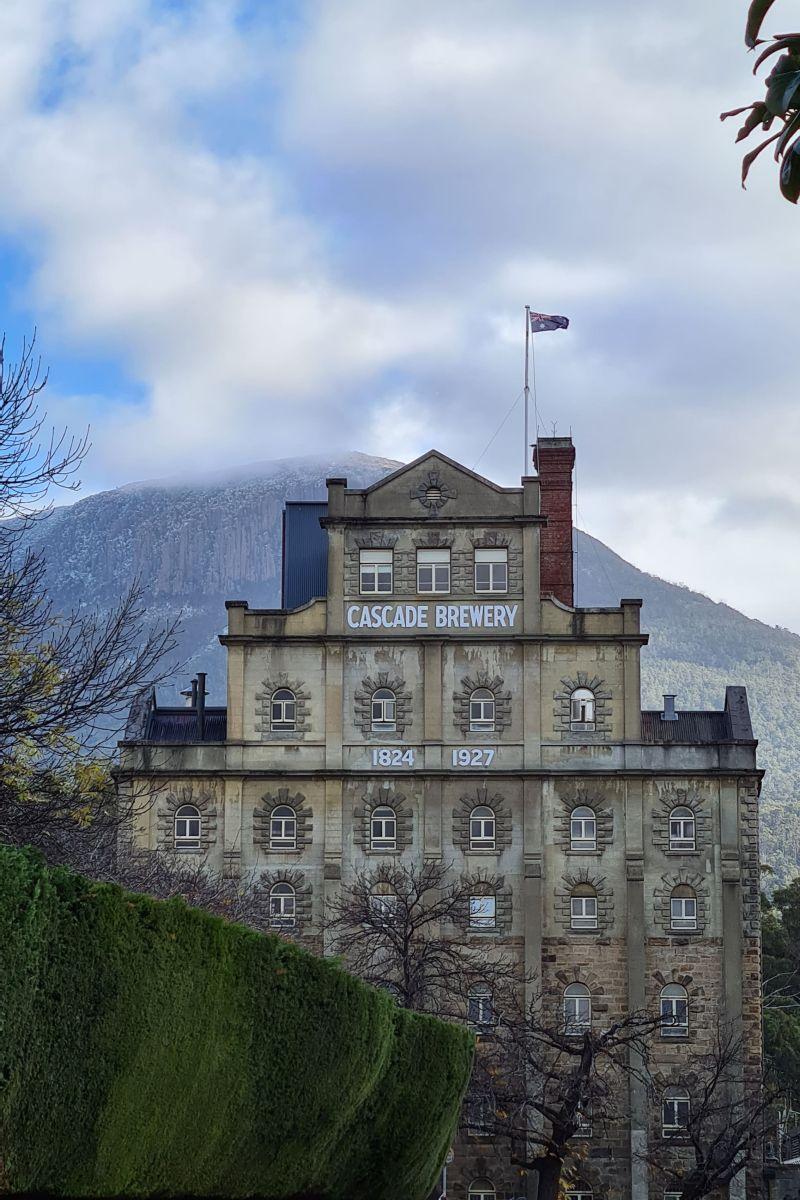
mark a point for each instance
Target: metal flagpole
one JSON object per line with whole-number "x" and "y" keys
{"x": 525, "y": 469}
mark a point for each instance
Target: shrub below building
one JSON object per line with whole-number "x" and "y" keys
{"x": 148, "y": 1048}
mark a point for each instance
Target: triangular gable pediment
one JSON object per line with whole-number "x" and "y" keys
{"x": 435, "y": 486}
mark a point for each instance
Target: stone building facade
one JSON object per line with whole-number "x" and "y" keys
{"x": 440, "y": 697}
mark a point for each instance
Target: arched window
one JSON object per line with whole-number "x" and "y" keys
{"x": 383, "y": 828}
{"x": 583, "y": 907}
{"x": 674, "y": 1011}
{"x": 384, "y": 903}
{"x": 384, "y": 710}
{"x": 481, "y": 710}
{"x": 582, "y": 829}
{"x": 683, "y": 907}
{"x": 187, "y": 828}
{"x": 681, "y": 829}
{"x": 482, "y": 1189}
{"x": 283, "y": 710}
{"x": 483, "y": 910}
{"x": 282, "y": 906}
{"x": 675, "y": 1111}
{"x": 283, "y": 828}
{"x": 582, "y": 710}
{"x": 482, "y": 828}
{"x": 480, "y": 1010}
{"x": 577, "y": 1009}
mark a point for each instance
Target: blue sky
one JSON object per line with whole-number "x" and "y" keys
{"x": 253, "y": 230}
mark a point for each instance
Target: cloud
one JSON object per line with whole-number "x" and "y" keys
{"x": 316, "y": 225}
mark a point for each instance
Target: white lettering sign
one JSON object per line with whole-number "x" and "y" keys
{"x": 445, "y": 616}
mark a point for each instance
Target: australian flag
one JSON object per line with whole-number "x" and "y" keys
{"x": 540, "y": 322}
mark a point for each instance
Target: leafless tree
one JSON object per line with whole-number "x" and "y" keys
{"x": 544, "y": 1080}
{"x": 721, "y": 1128}
{"x": 65, "y": 678}
{"x": 406, "y": 929}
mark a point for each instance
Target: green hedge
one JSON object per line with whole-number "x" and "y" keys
{"x": 148, "y": 1048}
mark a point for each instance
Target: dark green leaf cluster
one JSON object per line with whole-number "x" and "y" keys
{"x": 781, "y": 973}
{"x": 781, "y": 104}
{"x": 148, "y": 1048}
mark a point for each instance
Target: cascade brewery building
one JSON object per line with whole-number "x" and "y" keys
{"x": 429, "y": 691}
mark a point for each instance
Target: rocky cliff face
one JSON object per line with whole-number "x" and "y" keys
{"x": 197, "y": 542}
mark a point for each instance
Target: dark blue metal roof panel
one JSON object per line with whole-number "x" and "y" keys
{"x": 305, "y": 553}
{"x": 694, "y": 728}
{"x": 180, "y": 725}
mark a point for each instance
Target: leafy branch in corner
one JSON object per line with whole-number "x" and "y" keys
{"x": 781, "y": 105}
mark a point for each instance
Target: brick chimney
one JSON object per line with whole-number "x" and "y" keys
{"x": 554, "y": 458}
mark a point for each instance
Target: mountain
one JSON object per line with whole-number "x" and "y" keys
{"x": 197, "y": 542}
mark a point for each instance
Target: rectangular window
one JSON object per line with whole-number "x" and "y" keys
{"x": 683, "y": 912}
{"x": 675, "y": 1115}
{"x": 584, "y": 1124}
{"x": 491, "y": 570}
{"x": 433, "y": 570}
{"x": 583, "y": 912}
{"x": 482, "y": 912}
{"x": 375, "y": 572}
{"x": 479, "y": 1009}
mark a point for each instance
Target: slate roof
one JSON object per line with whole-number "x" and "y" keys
{"x": 180, "y": 725}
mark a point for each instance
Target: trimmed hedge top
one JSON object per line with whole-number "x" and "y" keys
{"x": 149, "y": 1048}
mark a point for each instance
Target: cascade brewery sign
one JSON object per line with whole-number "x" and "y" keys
{"x": 432, "y": 616}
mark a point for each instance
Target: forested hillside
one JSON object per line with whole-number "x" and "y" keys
{"x": 197, "y": 543}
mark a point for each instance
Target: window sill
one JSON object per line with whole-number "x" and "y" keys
{"x": 282, "y": 850}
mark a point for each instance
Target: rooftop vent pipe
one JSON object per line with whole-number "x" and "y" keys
{"x": 200, "y": 686}
{"x": 669, "y": 713}
{"x": 191, "y": 695}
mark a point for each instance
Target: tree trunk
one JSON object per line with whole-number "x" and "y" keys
{"x": 549, "y": 1172}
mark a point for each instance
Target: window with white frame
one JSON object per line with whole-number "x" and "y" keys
{"x": 188, "y": 826}
{"x": 582, "y": 828}
{"x": 673, "y": 1195}
{"x": 491, "y": 570}
{"x": 433, "y": 570}
{"x": 283, "y": 710}
{"x": 481, "y": 711}
{"x": 674, "y": 1011}
{"x": 681, "y": 829}
{"x": 577, "y": 1009}
{"x": 483, "y": 911}
{"x": 482, "y": 828}
{"x": 580, "y": 1195}
{"x": 584, "y": 1119}
{"x": 282, "y": 905}
{"x": 383, "y": 828}
{"x": 480, "y": 1010}
{"x": 482, "y": 1189}
{"x": 383, "y": 711}
{"x": 582, "y": 710}
{"x": 283, "y": 828}
{"x": 675, "y": 1111}
{"x": 375, "y": 572}
{"x": 583, "y": 907}
{"x": 683, "y": 908}
{"x": 384, "y": 904}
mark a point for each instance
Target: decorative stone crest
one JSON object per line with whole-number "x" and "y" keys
{"x": 502, "y": 703}
{"x": 584, "y": 877}
{"x": 662, "y": 914}
{"x": 562, "y": 717}
{"x": 433, "y": 539}
{"x": 604, "y": 818}
{"x": 205, "y": 803}
{"x": 303, "y": 895}
{"x": 673, "y": 797}
{"x": 433, "y": 493}
{"x": 383, "y": 796}
{"x": 263, "y": 814}
{"x": 263, "y": 713}
{"x": 375, "y": 539}
{"x": 502, "y": 817}
{"x": 363, "y": 704}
